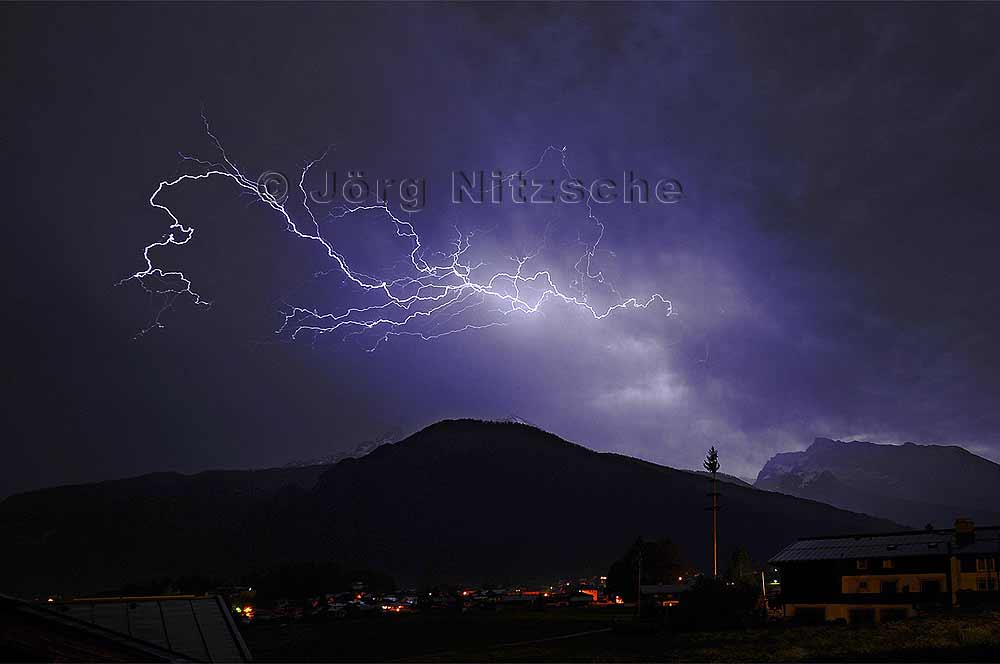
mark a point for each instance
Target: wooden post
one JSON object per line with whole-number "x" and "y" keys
{"x": 712, "y": 465}
{"x": 715, "y": 527}
{"x": 638, "y": 586}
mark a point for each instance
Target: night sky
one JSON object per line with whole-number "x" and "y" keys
{"x": 832, "y": 266}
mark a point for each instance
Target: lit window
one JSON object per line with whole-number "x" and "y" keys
{"x": 862, "y": 564}
{"x": 887, "y": 563}
{"x": 981, "y": 565}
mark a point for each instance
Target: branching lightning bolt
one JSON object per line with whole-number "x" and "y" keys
{"x": 429, "y": 303}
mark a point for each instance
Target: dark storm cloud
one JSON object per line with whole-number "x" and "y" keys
{"x": 831, "y": 267}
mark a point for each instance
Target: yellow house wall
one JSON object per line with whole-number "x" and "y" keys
{"x": 969, "y": 580}
{"x": 851, "y": 584}
{"x": 837, "y": 611}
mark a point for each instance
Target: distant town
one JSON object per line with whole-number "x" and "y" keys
{"x": 850, "y": 580}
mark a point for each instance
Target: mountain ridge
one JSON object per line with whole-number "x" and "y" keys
{"x": 458, "y": 501}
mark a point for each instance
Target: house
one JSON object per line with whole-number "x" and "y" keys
{"x": 665, "y": 594}
{"x": 36, "y": 632}
{"x": 198, "y": 628}
{"x": 882, "y": 577}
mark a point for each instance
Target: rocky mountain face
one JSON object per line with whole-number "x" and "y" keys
{"x": 910, "y": 484}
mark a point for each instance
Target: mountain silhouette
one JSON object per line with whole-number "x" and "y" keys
{"x": 461, "y": 500}
{"x": 910, "y": 484}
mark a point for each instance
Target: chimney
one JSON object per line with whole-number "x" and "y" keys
{"x": 965, "y": 531}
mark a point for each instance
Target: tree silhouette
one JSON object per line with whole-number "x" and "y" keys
{"x": 662, "y": 562}
{"x": 740, "y": 570}
{"x": 712, "y": 461}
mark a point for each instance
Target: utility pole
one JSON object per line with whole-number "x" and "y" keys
{"x": 712, "y": 465}
{"x": 638, "y": 583}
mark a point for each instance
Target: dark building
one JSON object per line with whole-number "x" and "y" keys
{"x": 201, "y": 628}
{"x": 32, "y": 632}
{"x": 868, "y": 578}
{"x": 120, "y": 629}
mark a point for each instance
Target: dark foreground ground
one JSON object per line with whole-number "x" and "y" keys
{"x": 585, "y": 634}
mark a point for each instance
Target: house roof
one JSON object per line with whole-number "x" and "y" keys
{"x": 30, "y": 631}
{"x": 664, "y": 588}
{"x": 888, "y": 545}
{"x": 200, "y": 628}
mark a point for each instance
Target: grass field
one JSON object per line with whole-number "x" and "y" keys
{"x": 584, "y": 635}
